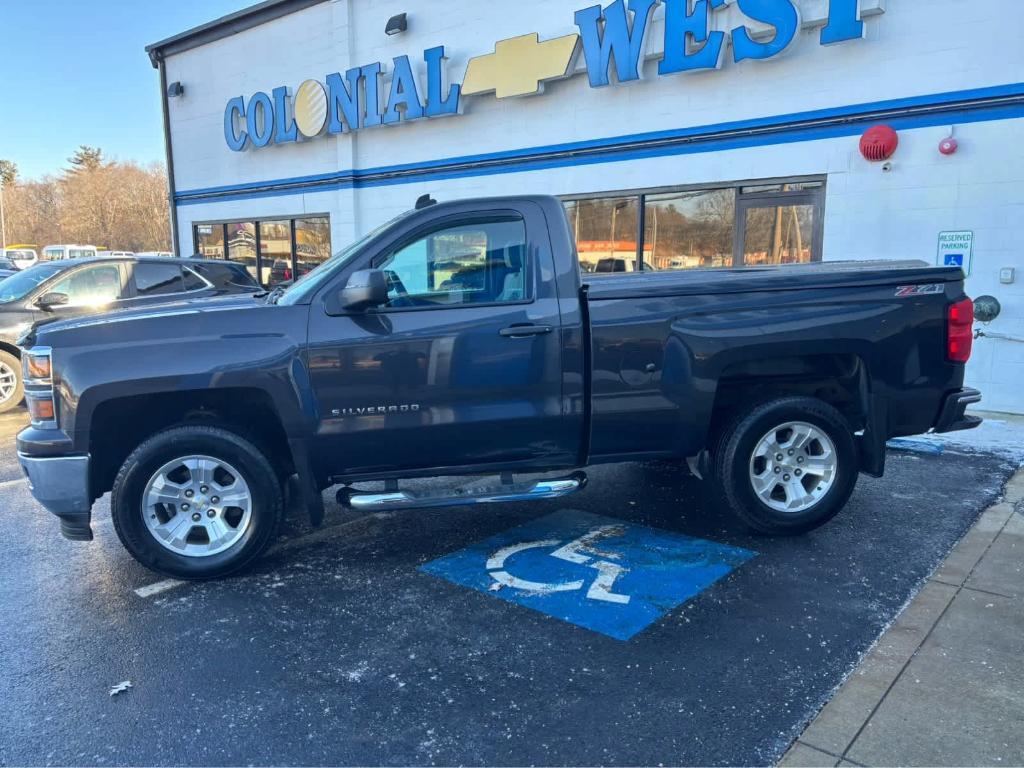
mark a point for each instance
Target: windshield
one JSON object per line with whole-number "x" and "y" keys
{"x": 304, "y": 288}
{"x": 19, "y": 285}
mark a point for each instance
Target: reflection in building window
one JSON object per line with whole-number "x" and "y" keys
{"x": 210, "y": 241}
{"x": 275, "y": 252}
{"x": 778, "y": 234}
{"x": 605, "y": 231}
{"x": 312, "y": 243}
{"x": 774, "y": 222}
{"x": 683, "y": 230}
{"x": 242, "y": 245}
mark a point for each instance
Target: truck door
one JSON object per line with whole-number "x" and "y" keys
{"x": 462, "y": 367}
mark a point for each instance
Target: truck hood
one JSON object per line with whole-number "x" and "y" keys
{"x": 135, "y": 314}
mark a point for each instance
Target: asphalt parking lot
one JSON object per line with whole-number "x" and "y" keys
{"x": 382, "y": 639}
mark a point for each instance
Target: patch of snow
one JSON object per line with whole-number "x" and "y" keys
{"x": 1000, "y": 434}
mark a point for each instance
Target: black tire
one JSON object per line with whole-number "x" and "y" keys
{"x": 14, "y": 364}
{"x": 126, "y": 503}
{"x": 733, "y": 453}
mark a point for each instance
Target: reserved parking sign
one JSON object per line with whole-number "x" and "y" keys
{"x": 956, "y": 249}
{"x": 596, "y": 572}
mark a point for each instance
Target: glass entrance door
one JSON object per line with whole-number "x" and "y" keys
{"x": 778, "y": 229}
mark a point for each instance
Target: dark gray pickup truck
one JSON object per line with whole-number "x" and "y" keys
{"x": 462, "y": 338}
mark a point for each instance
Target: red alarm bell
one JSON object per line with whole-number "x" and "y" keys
{"x": 948, "y": 146}
{"x": 879, "y": 143}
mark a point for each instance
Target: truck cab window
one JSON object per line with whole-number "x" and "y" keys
{"x": 482, "y": 262}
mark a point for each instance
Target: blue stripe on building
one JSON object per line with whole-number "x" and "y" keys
{"x": 979, "y": 105}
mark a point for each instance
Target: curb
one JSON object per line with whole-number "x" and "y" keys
{"x": 831, "y": 735}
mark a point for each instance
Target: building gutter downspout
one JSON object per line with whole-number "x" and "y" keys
{"x": 158, "y": 61}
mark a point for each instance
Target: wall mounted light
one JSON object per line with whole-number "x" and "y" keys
{"x": 396, "y": 24}
{"x": 175, "y": 89}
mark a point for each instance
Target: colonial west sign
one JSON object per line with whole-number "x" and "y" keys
{"x": 609, "y": 37}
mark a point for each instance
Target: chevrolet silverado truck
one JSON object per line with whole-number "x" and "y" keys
{"x": 462, "y": 339}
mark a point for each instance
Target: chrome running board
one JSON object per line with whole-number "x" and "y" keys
{"x": 368, "y": 501}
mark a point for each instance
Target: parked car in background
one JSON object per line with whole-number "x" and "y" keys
{"x": 121, "y": 254}
{"x": 161, "y": 254}
{"x": 7, "y": 267}
{"x": 71, "y": 287}
{"x": 60, "y": 252}
{"x": 21, "y": 256}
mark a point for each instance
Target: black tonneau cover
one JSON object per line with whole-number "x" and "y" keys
{"x": 779, "y": 277}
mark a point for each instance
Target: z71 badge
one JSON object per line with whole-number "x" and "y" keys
{"x": 919, "y": 290}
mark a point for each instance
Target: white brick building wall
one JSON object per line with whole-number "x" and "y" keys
{"x": 912, "y": 48}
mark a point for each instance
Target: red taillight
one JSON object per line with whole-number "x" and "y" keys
{"x": 960, "y": 331}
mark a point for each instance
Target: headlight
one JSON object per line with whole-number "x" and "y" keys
{"x": 37, "y": 365}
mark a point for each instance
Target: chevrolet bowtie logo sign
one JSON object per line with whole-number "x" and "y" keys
{"x": 520, "y": 65}
{"x": 612, "y": 40}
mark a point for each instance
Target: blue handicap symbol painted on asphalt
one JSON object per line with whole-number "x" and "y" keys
{"x": 596, "y": 572}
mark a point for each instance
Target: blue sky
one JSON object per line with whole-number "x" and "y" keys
{"x": 74, "y": 72}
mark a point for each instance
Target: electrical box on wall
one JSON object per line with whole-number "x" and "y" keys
{"x": 1007, "y": 275}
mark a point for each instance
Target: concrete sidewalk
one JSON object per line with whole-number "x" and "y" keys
{"x": 944, "y": 685}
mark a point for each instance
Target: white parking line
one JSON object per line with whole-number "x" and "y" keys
{"x": 161, "y": 586}
{"x": 310, "y": 538}
{"x": 6, "y": 483}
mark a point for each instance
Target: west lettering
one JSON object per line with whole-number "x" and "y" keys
{"x": 683, "y": 27}
{"x": 844, "y": 22}
{"x": 618, "y": 40}
{"x": 781, "y": 14}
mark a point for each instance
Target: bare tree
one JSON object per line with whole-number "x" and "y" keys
{"x": 116, "y": 205}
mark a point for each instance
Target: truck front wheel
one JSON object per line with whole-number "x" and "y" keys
{"x": 196, "y": 502}
{"x": 786, "y": 466}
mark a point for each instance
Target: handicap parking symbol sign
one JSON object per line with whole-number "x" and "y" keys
{"x": 953, "y": 259}
{"x": 603, "y": 574}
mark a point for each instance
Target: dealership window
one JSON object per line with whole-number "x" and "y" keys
{"x": 776, "y": 222}
{"x": 273, "y": 251}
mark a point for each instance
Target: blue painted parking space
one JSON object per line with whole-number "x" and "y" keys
{"x": 597, "y": 572}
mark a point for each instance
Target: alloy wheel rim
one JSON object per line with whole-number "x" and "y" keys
{"x": 8, "y": 382}
{"x": 793, "y": 466}
{"x": 197, "y": 506}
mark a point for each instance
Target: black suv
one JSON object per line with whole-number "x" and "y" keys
{"x": 71, "y": 287}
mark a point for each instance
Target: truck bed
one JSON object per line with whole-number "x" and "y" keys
{"x": 824, "y": 274}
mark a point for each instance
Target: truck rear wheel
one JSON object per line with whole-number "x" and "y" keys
{"x": 786, "y": 466}
{"x": 196, "y": 502}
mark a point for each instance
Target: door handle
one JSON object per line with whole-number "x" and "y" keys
{"x": 522, "y": 331}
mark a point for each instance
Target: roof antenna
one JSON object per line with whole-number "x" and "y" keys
{"x": 424, "y": 201}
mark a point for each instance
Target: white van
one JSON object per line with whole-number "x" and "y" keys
{"x": 21, "y": 256}
{"x": 162, "y": 254}
{"x": 58, "y": 252}
{"x": 116, "y": 254}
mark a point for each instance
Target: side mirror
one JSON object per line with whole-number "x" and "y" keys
{"x": 50, "y": 301}
{"x": 366, "y": 288}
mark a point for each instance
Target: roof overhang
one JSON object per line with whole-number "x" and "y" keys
{"x": 225, "y": 26}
